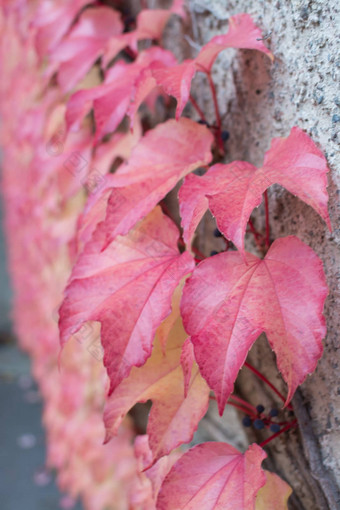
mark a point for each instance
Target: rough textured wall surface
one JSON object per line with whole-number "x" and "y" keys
{"x": 258, "y": 101}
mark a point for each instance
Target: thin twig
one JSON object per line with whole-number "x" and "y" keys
{"x": 197, "y": 108}
{"x": 265, "y": 380}
{"x": 270, "y": 438}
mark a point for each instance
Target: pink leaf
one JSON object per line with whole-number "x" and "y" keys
{"x": 52, "y": 21}
{"x": 75, "y": 55}
{"x": 164, "y": 156}
{"x": 152, "y": 477}
{"x": 232, "y": 191}
{"x": 297, "y": 164}
{"x": 242, "y": 33}
{"x": 213, "y": 476}
{"x": 174, "y": 417}
{"x": 228, "y": 302}
{"x": 150, "y": 24}
{"x": 99, "y": 185}
{"x": 128, "y": 289}
{"x": 176, "y": 81}
{"x": 123, "y": 84}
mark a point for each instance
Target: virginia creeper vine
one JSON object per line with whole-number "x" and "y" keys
{"x": 143, "y": 314}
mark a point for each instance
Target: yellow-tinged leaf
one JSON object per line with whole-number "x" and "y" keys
{"x": 274, "y": 494}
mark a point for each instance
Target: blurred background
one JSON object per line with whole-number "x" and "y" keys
{"x": 25, "y": 483}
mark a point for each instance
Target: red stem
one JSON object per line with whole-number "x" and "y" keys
{"x": 243, "y": 409}
{"x": 267, "y": 219}
{"x": 198, "y": 253}
{"x": 217, "y": 113}
{"x": 131, "y": 53}
{"x": 265, "y": 380}
{"x": 270, "y": 438}
{"x": 197, "y": 108}
{"x": 255, "y": 234}
{"x": 244, "y": 403}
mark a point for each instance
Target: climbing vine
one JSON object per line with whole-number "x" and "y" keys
{"x": 143, "y": 315}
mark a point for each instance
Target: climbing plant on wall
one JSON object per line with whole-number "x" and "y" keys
{"x": 143, "y": 314}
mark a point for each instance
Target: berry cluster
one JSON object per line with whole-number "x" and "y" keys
{"x": 262, "y": 420}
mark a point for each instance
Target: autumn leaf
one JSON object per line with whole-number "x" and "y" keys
{"x": 242, "y": 33}
{"x": 151, "y": 478}
{"x": 124, "y": 84}
{"x": 51, "y": 21}
{"x": 213, "y": 476}
{"x": 150, "y": 24}
{"x": 98, "y": 184}
{"x": 163, "y": 157}
{"x": 174, "y": 416}
{"x": 274, "y": 494}
{"x": 77, "y": 52}
{"x": 128, "y": 289}
{"x": 176, "y": 81}
{"x": 232, "y": 191}
{"x": 228, "y": 302}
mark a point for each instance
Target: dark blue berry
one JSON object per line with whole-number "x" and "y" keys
{"x": 275, "y": 427}
{"x": 212, "y": 253}
{"x": 225, "y": 135}
{"x": 217, "y": 233}
{"x": 247, "y": 421}
{"x": 273, "y": 412}
{"x": 258, "y": 424}
{"x": 260, "y": 408}
{"x": 204, "y": 122}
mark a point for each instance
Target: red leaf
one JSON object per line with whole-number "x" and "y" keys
{"x": 232, "y": 191}
{"x": 52, "y": 21}
{"x": 242, "y": 33}
{"x": 176, "y": 81}
{"x": 153, "y": 477}
{"x": 100, "y": 187}
{"x": 297, "y": 164}
{"x": 128, "y": 289}
{"x": 150, "y": 25}
{"x": 163, "y": 157}
{"x": 75, "y": 55}
{"x": 111, "y": 100}
{"x": 151, "y": 22}
{"x": 228, "y": 302}
{"x": 213, "y": 476}
{"x": 174, "y": 417}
